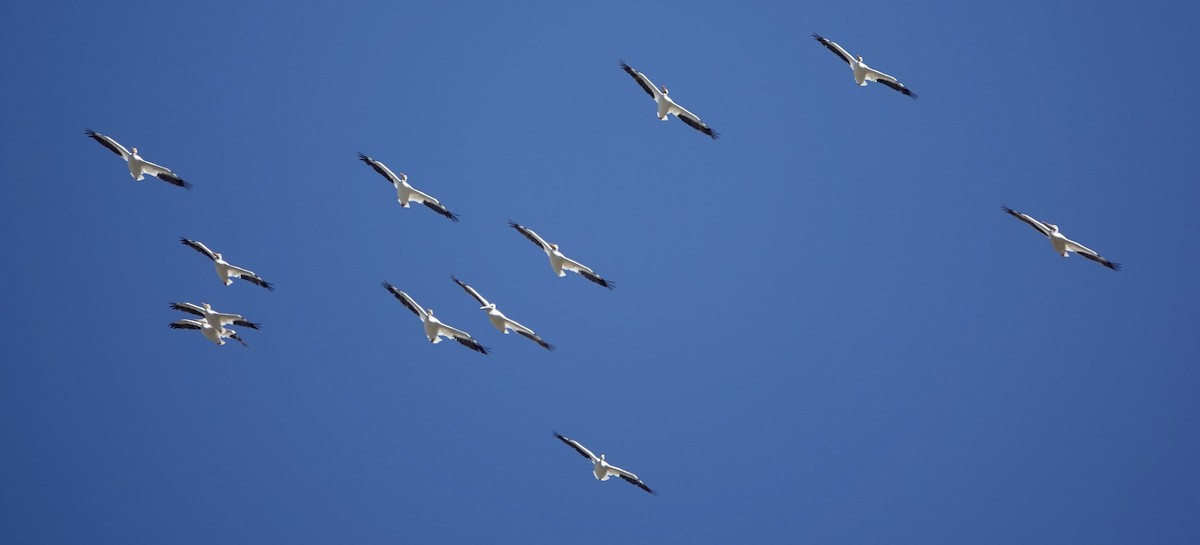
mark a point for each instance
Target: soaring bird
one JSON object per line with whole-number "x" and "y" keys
{"x": 667, "y": 106}
{"x": 215, "y": 319}
{"x": 499, "y": 320}
{"x": 558, "y": 261}
{"x": 434, "y": 329}
{"x": 862, "y": 72}
{"x": 138, "y": 167}
{"x": 1062, "y": 245}
{"x": 406, "y": 193}
{"x": 225, "y": 271}
{"x": 601, "y": 468}
{"x": 216, "y": 335}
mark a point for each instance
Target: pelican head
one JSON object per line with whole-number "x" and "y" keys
{"x": 429, "y": 311}
{"x": 135, "y": 151}
{"x": 218, "y": 254}
{"x": 1053, "y": 228}
{"x": 403, "y": 177}
{"x": 489, "y": 306}
{"x": 860, "y": 58}
{"x": 664, "y": 89}
{"x": 555, "y": 246}
{"x": 206, "y": 306}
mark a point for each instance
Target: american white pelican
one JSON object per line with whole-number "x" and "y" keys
{"x": 499, "y": 320}
{"x": 406, "y": 193}
{"x": 434, "y": 329}
{"x": 215, "y": 335}
{"x": 138, "y": 167}
{"x": 559, "y": 262}
{"x": 862, "y": 72}
{"x": 666, "y": 106}
{"x": 1062, "y": 244}
{"x": 225, "y": 271}
{"x": 217, "y": 320}
{"x": 602, "y": 469}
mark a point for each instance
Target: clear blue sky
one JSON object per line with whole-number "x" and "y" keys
{"x": 824, "y": 328}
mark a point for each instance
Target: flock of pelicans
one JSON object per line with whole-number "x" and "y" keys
{"x": 214, "y": 325}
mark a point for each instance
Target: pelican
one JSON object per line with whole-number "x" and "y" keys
{"x": 225, "y": 271}
{"x": 138, "y": 167}
{"x": 215, "y": 335}
{"x": 499, "y": 320}
{"x": 406, "y": 193}
{"x": 862, "y": 72}
{"x": 434, "y": 329}
{"x": 218, "y": 320}
{"x": 559, "y": 262}
{"x": 667, "y": 106}
{"x": 602, "y": 469}
{"x": 1062, "y": 245}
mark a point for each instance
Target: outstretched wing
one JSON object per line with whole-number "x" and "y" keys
{"x": 575, "y": 266}
{"x": 836, "y": 49}
{"x": 529, "y": 234}
{"x": 405, "y": 300}
{"x": 250, "y": 277}
{"x": 533, "y": 337}
{"x": 632, "y": 479}
{"x": 199, "y": 247}
{"x": 578, "y": 447}
{"x": 247, "y": 323}
{"x": 642, "y": 80}
{"x": 889, "y": 81}
{"x": 472, "y": 344}
{"x": 188, "y": 308}
{"x": 1041, "y": 227}
{"x": 441, "y": 209}
{"x": 1091, "y": 254}
{"x": 165, "y": 174}
{"x": 186, "y": 324}
{"x": 109, "y": 143}
{"x": 382, "y": 169}
{"x": 471, "y": 291}
{"x": 694, "y": 121}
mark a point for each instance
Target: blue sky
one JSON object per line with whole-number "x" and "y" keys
{"x": 824, "y": 328}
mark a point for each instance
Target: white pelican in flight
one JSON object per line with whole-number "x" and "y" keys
{"x": 138, "y": 167}
{"x": 499, "y": 320}
{"x": 602, "y": 469}
{"x": 560, "y": 262}
{"x": 406, "y": 193}
{"x": 225, "y": 271}
{"x": 862, "y": 72}
{"x": 1062, "y": 244}
{"x": 434, "y": 329}
{"x": 215, "y": 335}
{"x": 218, "y": 320}
{"x": 667, "y": 106}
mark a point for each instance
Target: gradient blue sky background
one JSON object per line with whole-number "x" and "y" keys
{"x": 824, "y": 328}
